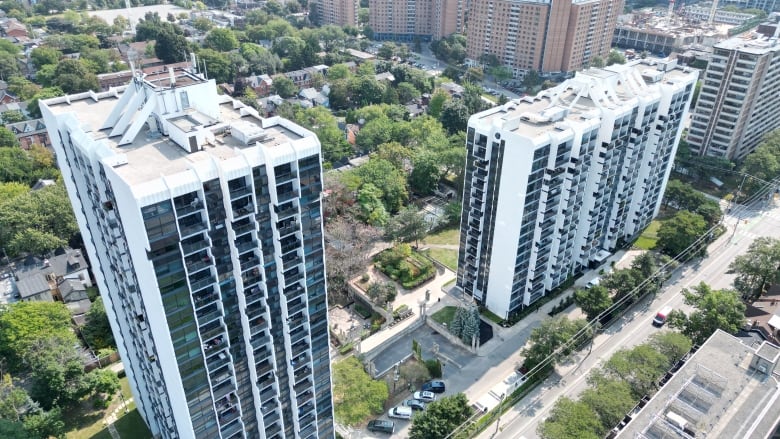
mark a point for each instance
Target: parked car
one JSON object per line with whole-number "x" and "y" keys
{"x": 381, "y": 425}
{"x": 661, "y": 316}
{"x": 435, "y": 386}
{"x": 425, "y": 396}
{"x": 414, "y": 404}
{"x": 400, "y": 412}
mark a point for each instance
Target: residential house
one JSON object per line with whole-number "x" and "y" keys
{"x": 384, "y": 77}
{"x": 304, "y": 78}
{"x": 30, "y": 132}
{"x": 59, "y": 277}
{"x": 261, "y": 84}
{"x": 6, "y": 97}
{"x": 315, "y": 97}
{"x": 11, "y": 27}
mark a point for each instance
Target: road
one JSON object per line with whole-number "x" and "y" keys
{"x": 570, "y": 379}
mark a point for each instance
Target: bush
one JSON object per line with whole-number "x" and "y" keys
{"x": 347, "y": 348}
{"x": 434, "y": 367}
{"x": 401, "y": 264}
{"x": 363, "y": 311}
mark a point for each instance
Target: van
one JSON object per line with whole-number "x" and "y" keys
{"x": 400, "y": 412}
{"x": 661, "y": 316}
{"x": 593, "y": 282}
{"x": 381, "y": 425}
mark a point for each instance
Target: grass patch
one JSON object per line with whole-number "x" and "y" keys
{"x": 491, "y": 98}
{"x": 444, "y": 315}
{"x": 128, "y": 426}
{"x": 449, "y": 236}
{"x": 448, "y": 257}
{"x": 649, "y": 237}
{"x": 87, "y": 422}
{"x": 492, "y": 317}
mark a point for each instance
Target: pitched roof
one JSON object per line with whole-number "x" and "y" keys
{"x": 32, "y": 285}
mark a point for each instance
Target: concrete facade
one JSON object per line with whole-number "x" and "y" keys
{"x": 337, "y": 12}
{"x": 738, "y": 102}
{"x": 541, "y": 35}
{"x": 410, "y": 20}
{"x": 556, "y": 182}
{"x": 203, "y": 224}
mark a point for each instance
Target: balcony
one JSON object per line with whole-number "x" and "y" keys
{"x": 285, "y": 210}
{"x": 251, "y": 277}
{"x": 286, "y": 196}
{"x": 250, "y": 262}
{"x": 243, "y": 228}
{"x": 239, "y": 192}
{"x": 295, "y": 307}
{"x": 204, "y": 298}
{"x": 210, "y": 330}
{"x": 298, "y": 335}
{"x": 191, "y": 228}
{"x": 253, "y": 294}
{"x": 265, "y": 381}
{"x": 288, "y": 229}
{"x": 299, "y": 348}
{"x": 201, "y": 282}
{"x": 224, "y": 392}
{"x": 229, "y": 422}
{"x": 188, "y": 208}
{"x": 217, "y": 361}
{"x": 245, "y": 246}
{"x": 214, "y": 343}
{"x": 194, "y": 244}
{"x": 259, "y": 339}
{"x": 257, "y": 325}
{"x": 268, "y": 419}
{"x": 264, "y": 367}
{"x": 208, "y": 314}
{"x": 220, "y": 376}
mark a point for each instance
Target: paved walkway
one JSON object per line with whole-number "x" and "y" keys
{"x": 113, "y": 416}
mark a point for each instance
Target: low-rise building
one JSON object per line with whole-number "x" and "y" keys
{"x": 725, "y": 389}
{"x": 30, "y": 132}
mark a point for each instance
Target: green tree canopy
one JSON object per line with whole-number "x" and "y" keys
{"x": 454, "y": 116}
{"x": 757, "y": 268}
{"x": 221, "y": 39}
{"x": 97, "y": 330}
{"x": 714, "y": 309}
{"x": 73, "y": 76}
{"x": 355, "y": 395}
{"x": 593, "y": 301}
{"x": 570, "y": 419}
{"x": 43, "y": 55}
{"x": 24, "y": 324}
{"x": 551, "y": 335}
{"x": 440, "y": 417}
{"x": 407, "y": 226}
{"x": 284, "y": 86}
{"x": 680, "y": 232}
{"x": 171, "y": 47}
{"x": 392, "y": 181}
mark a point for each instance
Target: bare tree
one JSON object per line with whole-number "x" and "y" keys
{"x": 348, "y": 245}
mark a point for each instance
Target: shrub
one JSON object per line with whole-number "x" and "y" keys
{"x": 347, "y": 348}
{"x": 362, "y": 310}
{"x": 434, "y": 367}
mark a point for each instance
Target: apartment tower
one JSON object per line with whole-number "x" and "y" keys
{"x": 337, "y": 12}
{"x": 738, "y": 102}
{"x": 415, "y": 20}
{"x": 555, "y": 182}
{"x": 202, "y": 222}
{"x": 543, "y": 35}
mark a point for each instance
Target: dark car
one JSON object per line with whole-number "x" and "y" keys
{"x": 381, "y": 426}
{"x": 415, "y": 404}
{"x": 434, "y": 386}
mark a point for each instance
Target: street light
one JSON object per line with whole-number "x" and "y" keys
{"x": 500, "y": 411}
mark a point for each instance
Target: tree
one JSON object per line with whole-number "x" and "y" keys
{"x": 531, "y": 79}
{"x": 221, "y": 39}
{"x": 23, "y": 324}
{"x": 46, "y": 93}
{"x": 259, "y": 59}
{"x": 406, "y": 226}
{"x": 57, "y": 370}
{"x": 615, "y": 57}
{"x": 202, "y": 24}
{"x": 392, "y": 181}
{"x": 12, "y": 116}
{"x": 381, "y": 293}
{"x": 97, "y": 330}
{"x": 622, "y": 282}
{"x": 454, "y": 116}
{"x": 338, "y": 71}
{"x": 43, "y": 55}
{"x": 407, "y": 92}
{"x": 34, "y": 241}
{"x": 72, "y": 76}
{"x": 671, "y": 345}
{"x": 611, "y": 400}
{"x": 45, "y": 424}
{"x": 441, "y": 417}
{"x": 593, "y": 301}
{"x": 757, "y": 269}
{"x": 355, "y": 395}
{"x": 15, "y": 403}
{"x": 571, "y": 419}
{"x": 347, "y": 247}
{"x": 714, "y": 309}
{"x": 680, "y": 232}
{"x": 11, "y": 190}
{"x": 366, "y": 90}
{"x": 387, "y": 51}
{"x": 426, "y": 173}
{"x": 8, "y": 138}
{"x": 8, "y": 65}
{"x": 22, "y": 88}
{"x": 436, "y": 103}
{"x": 46, "y": 211}
{"x": 549, "y": 336}
{"x": 284, "y": 86}
{"x": 13, "y": 430}
{"x": 639, "y": 367}
{"x": 170, "y": 47}
{"x": 219, "y": 66}
{"x": 597, "y": 61}
{"x": 372, "y": 208}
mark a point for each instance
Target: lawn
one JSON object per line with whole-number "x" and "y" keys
{"x": 649, "y": 236}
{"x": 448, "y": 257}
{"x": 87, "y": 423}
{"x": 443, "y": 237}
{"x": 129, "y": 426}
{"x": 444, "y": 315}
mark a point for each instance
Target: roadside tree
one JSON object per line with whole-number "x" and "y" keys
{"x": 680, "y": 232}
{"x": 440, "y": 418}
{"x": 355, "y": 395}
{"x": 757, "y": 269}
{"x": 593, "y": 301}
{"x": 714, "y": 309}
{"x": 571, "y": 419}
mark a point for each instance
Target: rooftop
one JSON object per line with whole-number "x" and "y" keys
{"x": 573, "y": 100}
{"x": 753, "y": 42}
{"x": 719, "y": 392}
{"x": 145, "y": 154}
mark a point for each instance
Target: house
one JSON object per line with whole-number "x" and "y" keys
{"x": 6, "y": 97}
{"x": 351, "y": 130}
{"x": 452, "y": 88}
{"x": 316, "y": 98}
{"x": 114, "y": 79}
{"x": 261, "y": 84}
{"x": 384, "y": 76}
{"x": 30, "y": 132}
{"x": 304, "y": 78}
{"x": 360, "y": 55}
{"x": 11, "y": 27}
{"x": 64, "y": 277}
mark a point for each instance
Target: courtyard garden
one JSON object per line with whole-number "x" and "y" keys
{"x": 405, "y": 266}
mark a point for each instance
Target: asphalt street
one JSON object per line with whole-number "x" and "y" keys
{"x": 634, "y": 328}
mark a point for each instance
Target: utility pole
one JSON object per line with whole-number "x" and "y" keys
{"x": 734, "y": 202}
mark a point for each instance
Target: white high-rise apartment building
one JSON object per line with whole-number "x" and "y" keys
{"x": 203, "y": 225}
{"x": 555, "y": 182}
{"x": 738, "y": 103}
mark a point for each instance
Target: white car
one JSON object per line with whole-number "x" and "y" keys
{"x": 425, "y": 396}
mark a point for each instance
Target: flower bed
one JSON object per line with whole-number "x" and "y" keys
{"x": 405, "y": 266}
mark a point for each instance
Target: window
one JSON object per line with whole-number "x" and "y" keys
{"x": 185, "y": 100}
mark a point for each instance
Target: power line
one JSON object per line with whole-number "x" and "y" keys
{"x": 589, "y": 329}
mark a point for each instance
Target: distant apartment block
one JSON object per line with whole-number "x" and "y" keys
{"x": 738, "y": 103}
{"x": 413, "y": 20}
{"x": 338, "y": 12}
{"x": 658, "y": 36}
{"x": 203, "y": 224}
{"x": 555, "y": 182}
{"x": 541, "y": 35}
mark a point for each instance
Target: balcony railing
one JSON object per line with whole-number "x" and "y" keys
{"x": 187, "y": 209}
